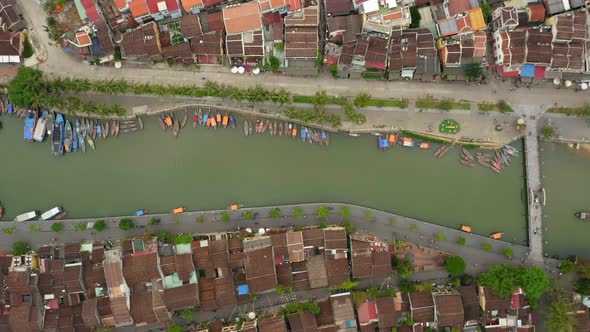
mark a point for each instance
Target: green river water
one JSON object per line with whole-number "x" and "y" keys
{"x": 210, "y": 169}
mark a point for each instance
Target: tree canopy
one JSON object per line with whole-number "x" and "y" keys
{"x": 583, "y": 286}
{"x": 403, "y": 267}
{"x": 26, "y": 87}
{"x": 20, "y": 248}
{"x": 557, "y": 316}
{"x": 455, "y": 265}
{"x": 100, "y": 225}
{"x": 505, "y": 279}
{"x": 57, "y": 226}
{"x": 473, "y": 71}
{"x": 535, "y": 283}
{"x": 126, "y": 224}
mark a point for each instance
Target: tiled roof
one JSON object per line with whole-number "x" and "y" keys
{"x": 470, "y": 302}
{"x": 140, "y": 269}
{"x": 139, "y": 8}
{"x": 313, "y": 238}
{"x": 458, "y": 6}
{"x": 343, "y": 312}
{"x": 422, "y": 306}
{"x": 493, "y": 301}
{"x": 367, "y": 312}
{"x": 208, "y": 44}
{"x": 120, "y": 311}
{"x": 335, "y": 239}
{"x": 326, "y": 316}
{"x": 388, "y": 317}
{"x": 338, "y": 7}
{"x": 536, "y": 12}
{"x": 190, "y": 26}
{"x": 272, "y": 324}
{"x": 348, "y": 26}
{"x": 178, "y": 51}
{"x": 181, "y": 297}
{"x": 302, "y": 322}
{"x": 538, "y": 45}
{"x": 449, "y": 310}
{"x": 91, "y": 10}
{"x": 211, "y": 21}
{"x": 189, "y": 4}
{"x": 242, "y": 18}
{"x": 10, "y": 44}
{"x": 260, "y": 270}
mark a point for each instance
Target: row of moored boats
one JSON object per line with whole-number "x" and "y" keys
{"x": 497, "y": 162}
{"x": 56, "y": 213}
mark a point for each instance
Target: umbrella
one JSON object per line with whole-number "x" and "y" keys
{"x": 234, "y": 69}
{"x": 568, "y": 83}
{"x": 584, "y": 86}
{"x": 241, "y": 70}
{"x": 251, "y": 315}
{"x": 256, "y": 71}
{"x": 261, "y": 231}
{"x": 118, "y": 64}
{"x": 249, "y": 230}
{"x": 556, "y": 81}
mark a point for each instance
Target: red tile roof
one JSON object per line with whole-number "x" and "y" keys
{"x": 536, "y": 12}
{"x": 91, "y": 10}
{"x": 139, "y": 8}
{"x": 242, "y": 18}
{"x": 367, "y": 312}
{"x": 153, "y": 6}
{"x": 172, "y": 5}
{"x": 260, "y": 269}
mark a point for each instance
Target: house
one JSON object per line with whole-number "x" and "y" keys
{"x": 122, "y": 5}
{"x": 73, "y": 283}
{"x": 11, "y": 19}
{"x": 470, "y": 302}
{"x": 370, "y": 258}
{"x": 422, "y": 307}
{"x": 535, "y": 13}
{"x": 280, "y": 6}
{"x": 190, "y": 26}
{"x": 336, "y": 252}
{"x": 148, "y": 308}
{"x": 25, "y": 312}
{"x": 462, "y": 23}
{"x": 343, "y": 29}
{"x": 504, "y": 18}
{"x": 244, "y": 40}
{"x": 118, "y": 290}
{"x": 313, "y": 242}
{"x": 140, "y": 11}
{"x": 160, "y": 9}
{"x": 460, "y": 50}
{"x": 387, "y": 312}
{"x": 301, "y": 42}
{"x": 343, "y": 312}
{"x": 192, "y": 6}
{"x": 367, "y": 314}
{"x": 272, "y": 324}
{"x": 382, "y": 20}
{"x": 259, "y": 264}
{"x": 325, "y": 319}
{"x": 338, "y": 7}
{"x": 141, "y": 271}
{"x": 302, "y": 322}
{"x": 448, "y": 309}
{"x": 142, "y": 44}
{"x": 494, "y": 308}
{"x": 208, "y": 48}
{"x": 570, "y": 37}
{"x": 11, "y": 46}
{"x": 211, "y": 260}
{"x": 366, "y": 56}
{"x": 180, "y": 280}
{"x": 178, "y": 53}
{"x": 413, "y": 55}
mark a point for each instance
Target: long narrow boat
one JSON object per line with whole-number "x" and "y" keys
{"x": 57, "y": 140}
{"x": 106, "y": 130}
{"x": 467, "y": 163}
{"x": 327, "y": 139}
{"x": 26, "y": 216}
{"x": 439, "y": 151}
{"x": 205, "y": 118}
{"x": 30, "y": 123}
{"x": 41, "y": 127}
{"x": 580, "y": 215}
{"x": 50, "y": 214}
{"x": 1, "y": 210}
{"x": 195, "y": 119}
{"x": 467, "y": 153}
{"x": 246, "y": 128}
{"x": 294, "y": 132}
{"x": 184, "y": 119}
{"x": 275, "y": 128}
{"x": 232, "y": 121}
{"x": 117, "y": 128}
{"x": 112, "y": 128}
{"x": 444, "y": 151}
{"x": 82, "y": 142}
{"x": 68, "y": 137}
{"x": 94, "y": 129}
{"x": 200, "y": 117}
{"x": 250, "y": 128}
{"x": 140, "y": 121}
{"x": 162, "y": 124}
{"x": 281, "y": 129}
{"x": 98, "y": 130}
{"x": 218, "y": 118}
{"x": 175, "y": 129}
{"x": 90, "y": 142}
{"x": 264, "y": 126}
{"x": 74, "y": 141}
{"x": 270, "y": 128}
{"x": 225, "y": 121}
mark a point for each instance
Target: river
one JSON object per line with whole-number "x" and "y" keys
{"x": 210, "y": 169}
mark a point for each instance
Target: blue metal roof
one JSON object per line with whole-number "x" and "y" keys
{"x": 528, "y": 70}
{"x": 243, "y": 290}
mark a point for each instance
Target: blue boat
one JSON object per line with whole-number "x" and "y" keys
{"x": 68, "y": 137}
{"x": 75, "y": 141}
{"x": 30, "y": 123}
{"x": 383, "y": 143}
{"x": 98, "y": 130}
{"x": 10, "y": 109}
{"x": 205, "y": 118}
{"x": 304, "y": 133}
{"x": 57, "y": 136}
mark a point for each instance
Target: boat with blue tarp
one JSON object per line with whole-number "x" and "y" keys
{"x": 30, "y": 123}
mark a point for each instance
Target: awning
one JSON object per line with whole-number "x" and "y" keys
{"x": 540, "y": 72}
{"x": 407, "y": 74}
{"x": 243, "y": 290}
{"x": 504, "y": 72}
{"x": 527, "y": 70}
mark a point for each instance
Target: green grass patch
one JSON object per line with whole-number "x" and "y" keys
{"x": 449, "y": 126}
{"x": 303, "y": 99}
{"x": 421, "y": 137}
{"x": 397, "y": 103}
{"x": 486, "y": 107}
{"x": 28, "y": 48}
{"x": 583, "y": 111}
{"x": 446, "y": 104}
{"x": 372, "y": 77}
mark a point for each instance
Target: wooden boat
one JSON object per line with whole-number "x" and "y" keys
{"x": 444, "y": 151}
{"x": 94, "y": 129}
{"x": 464, "y": 157}
{"x": 495, "y": 169}
{"x": 106, "y": 130}
{"x": 275, "y": 128}
{"x": 205, "y": 119}
{"x": 1, "y": 210}
{"x": 232, "y": 121}
{"x": 467, "y": 153}
{"x": 200, "y": 115}
{"x": 498, "y": 154}
{"x": 140, "y": 121}
{"x": 90, "y": 142}
{"x": 393, "y": 139}
{"x": 175, "y": 129}
{"x": 103, "y": 131}
{"x": 483, "y": 162}
{"x": 195, "y": 119}
{"x": 184, "y": 119}
{"x": 439, "y": 151}
{"x": 264, "y": 126}
{"x": 128, "y": 130}
{"x": 225, "y": 121}
{"x": 213, "y": 122}
{"x": 246, "y": 128}
{"x": 218, "y": 118}
{"x": 117, "y": 128}
{"x": 496, "y": 236}
{"x": 294, "y": 132}
{"x": 579, "y": 215}
{"x": 112, "y": 128}
{"x": 468, "y": 163}
{"x": 327, "y": 139}
{"x": 83, "y": 142}
{"x": 161, "y": 121}
{"x": 465, "y": 228}
{"x": 61, "y": 215}
{"x": 270, "y": 128}
{"x": 281, "y": 129}
{"x": 250, "y": 128}
{"x": 68, "y": 137}
{"x": 178, "y": 210}
{"x": 126, "y": 125}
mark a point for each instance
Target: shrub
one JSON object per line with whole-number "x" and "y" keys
{"x": 567, "y": 266}
{"x": 461, "y": 240}
{"x": 280, "y": 289}
{"x": 57, "y": 227}
{"x": 80, "y": 226}
{"x": 274, "y": 62}
{"x": 275, "y": 213}
{"x": 350, "y": 228}
{"x": 9, "y": 230}
{"x": 183, "y": 239}
{"x": 186, "y": 314}
{"x": 165, "y": 237}
{"x": 404, "y": 267}
{"x": 368, "y": 215}
{"x": 486, "y": 246}
{"x": 323, "y": 211}
{"x": 20, "y": 248}
{"x": 322, "y": 225}
{"x": 508, "y": 252}
{"x": 345, "y": 211}
{"x": 455, "y": 265}
{"x": 466, "y": 280}
{"x": 126, "y": 224}
{"x": 28, "y": 48}
{"x": 225, "y": 217}
{"x": 406, "y": 286}
{"x": 100, "y": 225}
{"x": 298, "y": 213}
{"x": 413, "y": 227}
{"x": 441, "y": 236}
{"x": 153, "y": 222}
{"x": 33, "y": 228}
{"x": 174, "y": 328}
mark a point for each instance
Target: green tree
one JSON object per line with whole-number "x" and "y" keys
{"x": 186, "y": 314}
{"x": 33, "y": 228}
{"x": 183, "y": 238}
{"x": 441, "y": 236}
{"x": 503, "y": 279}
{"x": 57, "y": 227}
{"x": 275, "y": 213}
{"x": 322, "y": 225}
{"x": 548, "y": 132}
{"x": 558, "y": 317}
{"x": 473, "y": 71}
{"x": 567, "y": 266}
{"x": 461, "y": 240}
{"x": 416, "y": 17}
{"x": 80, "y": 226}
{"x": 535, "y": 283}
{"x": 368, "y": 215}
{"x": 153, "y": 222}
{"x": 345, "y": 211}
{"x": 406, "y": 286}
{"x": 350, "y": 228}
{"x": 126, "y": 224}
{"x": 486, "y": 246}
{"x": 362, "y": 100}
{"x": 323, "y": 211}
{"x": 349, "y": 284}
{"x": 225, "y": 217}
{"x": 247, "y": 215}
{"x": 455, "y": 265}
{"x": 320, "y": 98}
{"x": 508, "y": 252}
{"x": 403, "y": 267}
{"x": 28, "y": 48}
{"x": 466, "y": 280}
{"x": 174, "y": 328}
{"x": 165, "y": 237}
{"x": 280, "y": 289}
{"x": 486, "y": 10}
{"x": 26, "y": 87}
{"x": 583, "y": 286}
{"x": 100, "y": 225}
{"x": 20, "y": 248}
{"x": 298, "y": 213}
{"x": 9, "y": 230}
{"x": 274, "y": 62}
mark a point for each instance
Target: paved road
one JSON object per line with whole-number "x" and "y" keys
{"x": 56, "y": 63}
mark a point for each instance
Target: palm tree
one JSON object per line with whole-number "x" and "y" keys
{"x": 281, "y": 97}
{"x": 212, "y": 88}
